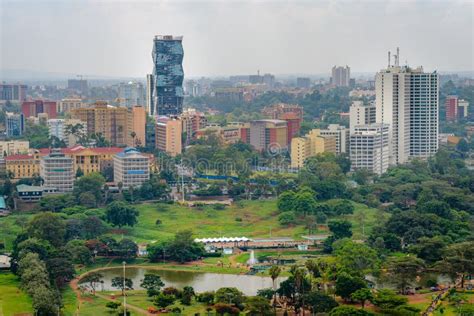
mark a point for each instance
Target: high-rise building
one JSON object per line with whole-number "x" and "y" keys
{"x": 303, "y": 82}
{"x": 138, "y": 126}
{"x": 66, "y": 105}
{"x": 12, "y": 92}
{"x": 115, "y": 124}
{"x": 131, "y": 93}
{"x": 370, "y": 148}
{"x": 269, "y": 135}
{"x": 37, "y": 107}
{"x": 455, "y": 108}
{"x": 168, "y": 135}
{"x": 78, "y": 85}
{"x": 57, "y": 171}
{"x": 14, "y": 124}
{"x": 168, "y": 74}
{"x": 341, "y": 134}
{"x": 407, "y": 100}
{"x": 310, "y": 145}
{"x": 131, "y": 168}
{"x": 341, "y": 76}
{"x": 150, "y": 109}
{"x": 361, "y": 114}
{"x": 59, "y": 128}
{"x": 269, "y": 80}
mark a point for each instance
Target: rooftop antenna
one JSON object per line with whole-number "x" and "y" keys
{"x": 398, "y": 57}
{"x": 389, "y": 59}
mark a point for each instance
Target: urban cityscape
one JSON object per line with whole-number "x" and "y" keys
{"x": 335, "y": 184}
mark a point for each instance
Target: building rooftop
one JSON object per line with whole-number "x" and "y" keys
{"x": 28, "y": 188}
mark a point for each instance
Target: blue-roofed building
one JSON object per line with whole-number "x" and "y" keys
{"x": 168, "y": 74}
{"x": 131, "y": 168}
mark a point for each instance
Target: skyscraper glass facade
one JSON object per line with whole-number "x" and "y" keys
{"x": 168, "y": 75}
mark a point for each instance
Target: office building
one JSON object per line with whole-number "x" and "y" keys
{"x": 67, "y": 130}
{"x": 303, "y": 82}
{"x": 168, "y": 75}
{"x": 115, "y": 124}
{"x": 341, "y": 134}
{"x": 138, "y": 126}
{"x": 291, "y": 113}
{"x": 407, "y": 100}
{"x": 78, "y": 85}
{"x": 130, "y": 94}
{"x": 168, "y": 135}
{"x": 269, "y": 80}
{"x": 131, "y": 168}
{"x": 361, "y": 114}
{"x": 341, "y": 76}
{"x": 37, "y": 107}
{"x": 12, "y": 92}
{"x": 66, "y": 105}
{"x": 150, "y": 109}
{"x": 14, "y": 147}
{"x": 269, "y": 135}
{"x": 310, "y": 145}
{"x": 14, "y": 124}
{"x": 455, "y": 108}
{"x": 192, "y": 121}
{"x": 21, "y": 166}
{"x": 370, "y": 148}
{"x": 57, "y": 171}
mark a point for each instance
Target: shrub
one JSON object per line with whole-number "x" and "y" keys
{"x": 219, "y": 207}
{"x": 238, "y": 219}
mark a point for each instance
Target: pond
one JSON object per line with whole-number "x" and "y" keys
{"x": 200, "y": 281}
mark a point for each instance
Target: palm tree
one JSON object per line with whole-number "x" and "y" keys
{"x": 133, "y": 134}
{"x": 274, "y": 273}
{"x": 313, "y": 270}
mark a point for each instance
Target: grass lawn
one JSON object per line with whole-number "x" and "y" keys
{"x": 11, "y": 226}
{"x": 12, "y": 300}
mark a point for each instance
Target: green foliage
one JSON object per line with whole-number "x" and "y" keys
{"x": 458, "y": 260}
{"x": 92, "y": 278}
{"x": 340, "y": 228}
{"x": 387, "y": 299}
{"x": 229, "y": 295}
{"x": 181, "y": 249}
{"x": 346, "y": 285}
{"x": 429, "y": 249}
{"x": 113, "y": 305}
{"x": 163, "y": 300}
{"x": 205, "y": 297}
{"x": 258, "y": 306}
{"x": 286, "y": 201}
{"x": 152, "y": 283}
{"x": 362, "y": 295}
{"x": 56, "y": 202}
{"x": 287, "y": 218}
{"x": 120, "y": 214}
{"x": 345, "y": 310}
{"x": 319, "y": 302}
{"x": 355, "y": 258}
{"x": 49, "y": 227}
{"x": 122, "y": 284}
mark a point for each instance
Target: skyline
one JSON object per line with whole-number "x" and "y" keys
{"x": 222, "y": 38}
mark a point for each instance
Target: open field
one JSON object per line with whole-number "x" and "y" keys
{"x": 12, "y": 300}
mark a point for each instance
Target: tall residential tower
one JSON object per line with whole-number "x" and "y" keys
{"x": 168, "y": 75}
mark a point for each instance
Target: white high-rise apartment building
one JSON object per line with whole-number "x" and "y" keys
{"x": 408, "y": 100}
{"x": 149, "y": 95}
{"x": 131, "y": 168}
{"x": 57, "y": 171}
{"x": 341, "y": 76}
{"x": 341, "y": 134}
{"x": 370, "y": 148}
{"x": 131, "y": 93}
{"x": 361, "y": 114}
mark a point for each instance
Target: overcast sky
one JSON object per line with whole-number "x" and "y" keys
{"x": 114, "y": 38}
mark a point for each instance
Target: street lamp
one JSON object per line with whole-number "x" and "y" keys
{"x": 124, "y": 295}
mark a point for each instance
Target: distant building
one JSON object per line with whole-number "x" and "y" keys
{"x": 131, "y": 93}
{"x": 291, "y": 113}
{"x": 57, "y": 171}
{"x": 78, "y": 85}
{"x": 192, "y": 121}
{"x": 361, "y": 114}
{"x": 269, "y": 135}
{"x": 66, "y": 105}
{"x": 303, "y": 82}
{"x": 168, "y": 74}
{"x": 115, "y": 124}
{"x": 22, "y": 166}
{"x": 341, "y": 76}
{"x": 455, "y": 108}
{"x": 59, "y": 128}
{"x": 150, "y": 109}
{"x": 235, "y": 95}
{"x": 37, "y": 107}
{"x": 13, "y": 92}
{"x": 14, "y": 124}
{"x": 370, "y": 148}
{"x": 229, "y": 134}
{"x": 131, "y": 168}
{"x": 168, "y": 135}
{"x": 269, "y": 80}
{"x": 14, "y": 147}
{"x": 341, "y": 134}
{"x": 138, "y": 126}
{"x": 310, "y": 145}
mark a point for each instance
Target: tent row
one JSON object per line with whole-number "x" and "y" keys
{"x": 222, "y": 239}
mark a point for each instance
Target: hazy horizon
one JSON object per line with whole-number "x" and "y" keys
{"x": 114, "y": 38}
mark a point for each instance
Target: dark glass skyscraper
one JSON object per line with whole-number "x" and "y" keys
{"x": 168, "y": 75}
